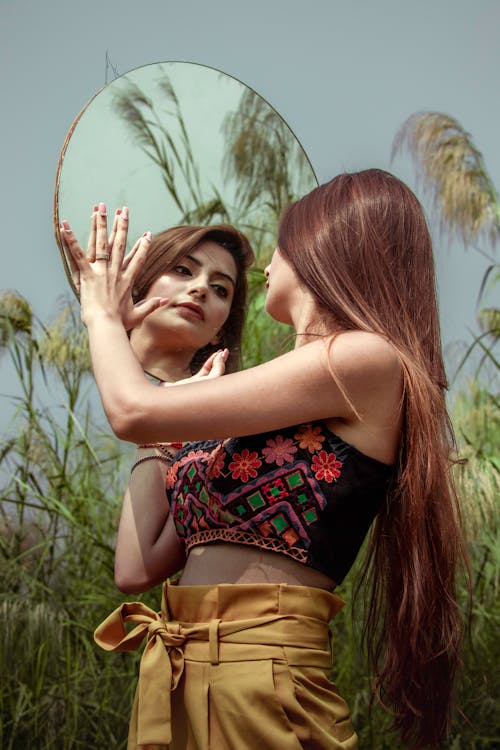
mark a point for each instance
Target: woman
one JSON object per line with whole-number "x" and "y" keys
{"x": 349, "y": 426}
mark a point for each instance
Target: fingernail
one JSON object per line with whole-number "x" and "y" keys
{"x": 225, "y": 354}
{"x": 66, "y": 226}
{"x": 125, "y": 212}
{"x": 102, "y": 209}
{"x": 147, "y": 236}
{"x": 118, "y": 211}
{"x": 95, "y": 208}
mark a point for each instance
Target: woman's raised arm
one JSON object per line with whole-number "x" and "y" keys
{"x": 296, "y": 387}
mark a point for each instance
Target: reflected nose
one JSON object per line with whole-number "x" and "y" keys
{"x": 199, "y": 291}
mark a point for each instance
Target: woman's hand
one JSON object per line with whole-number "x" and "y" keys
{"x": 104, "y": 276}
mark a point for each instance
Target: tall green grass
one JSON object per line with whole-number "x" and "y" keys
{"x": 61, "y": 483}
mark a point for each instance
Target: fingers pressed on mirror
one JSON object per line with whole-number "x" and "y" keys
{"x": 112, "y": 234}
{"x": 120, "y": 232}
{"x": 78, "y": 258}
{"x": 127, "y": 259}
{"x": 64, "y": 231}
{"x": 92, "y": 235}
{"x": 102, "y": 248}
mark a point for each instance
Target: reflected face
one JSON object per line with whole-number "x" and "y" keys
{"x": 200, "y": 290}
{"x": 282, "y": 287}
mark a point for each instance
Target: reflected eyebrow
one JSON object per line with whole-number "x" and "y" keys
{"x": 218, "y": 273}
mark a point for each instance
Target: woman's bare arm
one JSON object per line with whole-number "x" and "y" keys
{"x": 293, "y": 388}
{"x": 147, "y": 547}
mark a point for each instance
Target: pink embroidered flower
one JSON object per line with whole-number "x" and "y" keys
{"x": 310, "y": 437}
{"x": 279, "y": 450}
{"x": 244, "y": 465}
{"x": 191, "y": 456}
{"x": 171, "y": 476}
{"x": 216, "y": 462}
{"x": 325, "y": 466}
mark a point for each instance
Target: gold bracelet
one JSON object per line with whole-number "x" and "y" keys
{"x": 153, "y": 457}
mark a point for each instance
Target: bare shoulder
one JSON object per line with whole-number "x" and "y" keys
{"x": 369, "y": 367}
{"x": 364, "y": 349}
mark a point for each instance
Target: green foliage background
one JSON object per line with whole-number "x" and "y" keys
{"x": 63, "y": 475}
{"x": 61, "y": 487}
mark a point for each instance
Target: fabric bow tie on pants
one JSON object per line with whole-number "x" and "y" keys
{"x": 275, "y": 635}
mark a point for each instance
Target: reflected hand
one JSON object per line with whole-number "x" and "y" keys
{"x": 213, "y": 367}
{"x": 103, "y": 276}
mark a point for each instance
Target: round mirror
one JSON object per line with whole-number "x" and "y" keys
{"x": 180, "y": 143}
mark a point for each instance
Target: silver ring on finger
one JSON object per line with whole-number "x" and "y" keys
{"x": 102, "y": 256}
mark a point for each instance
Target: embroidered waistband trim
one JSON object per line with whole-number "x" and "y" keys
{"x": 236, "y": 536}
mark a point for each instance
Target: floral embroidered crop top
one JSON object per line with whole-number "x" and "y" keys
{"x": 300, "y": 491}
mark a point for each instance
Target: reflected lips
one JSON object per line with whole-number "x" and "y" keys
{"x": 196, "y": 309}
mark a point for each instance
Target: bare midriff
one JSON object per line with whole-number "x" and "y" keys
{"x": 211, "y": 564}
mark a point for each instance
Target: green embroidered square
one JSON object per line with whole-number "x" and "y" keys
{"x": 256, "y": 500}
{"x": 279, "y": 522}
{"x": 294, "y": 480}
{"x": 310, "y": 516}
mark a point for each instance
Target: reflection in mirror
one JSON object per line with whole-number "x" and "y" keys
{"x": 182, "y": 143}
{"x": 202, "y": 272}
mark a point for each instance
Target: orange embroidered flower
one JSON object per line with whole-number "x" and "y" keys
{"x": 216, "y": 462}
{"x": 325, "y": 466}
{"x": 244, "y": 465}
{"x": 191, "y": 456}
{"x": 171, "y": 476}
{"x": 278, "y": 451}
{"x": 310, "y": 437}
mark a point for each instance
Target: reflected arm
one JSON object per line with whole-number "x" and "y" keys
{"x": 147, "y": 547}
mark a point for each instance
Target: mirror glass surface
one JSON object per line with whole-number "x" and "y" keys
{"x": 180, "y": 143}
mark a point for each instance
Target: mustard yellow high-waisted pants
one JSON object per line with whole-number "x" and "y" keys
{"x": 234, "y": 667}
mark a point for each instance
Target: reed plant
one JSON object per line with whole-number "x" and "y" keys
{"x": 61, "y": 480}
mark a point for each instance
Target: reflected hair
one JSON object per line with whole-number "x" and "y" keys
{"x": 170, "y": 246}
{"x": 360, "y": 244}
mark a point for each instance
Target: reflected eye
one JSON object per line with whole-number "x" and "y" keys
{"x": 182, "y": 270}
{"x": 221, "y": 291}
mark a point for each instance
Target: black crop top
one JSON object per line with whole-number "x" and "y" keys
{"x": 300, "y": 491}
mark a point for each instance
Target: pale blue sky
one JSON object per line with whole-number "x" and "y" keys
{"x": 344, "y": 75}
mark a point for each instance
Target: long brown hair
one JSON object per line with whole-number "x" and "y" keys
{"x": 167, "y": 249}
{"x": 361, "y": 245}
